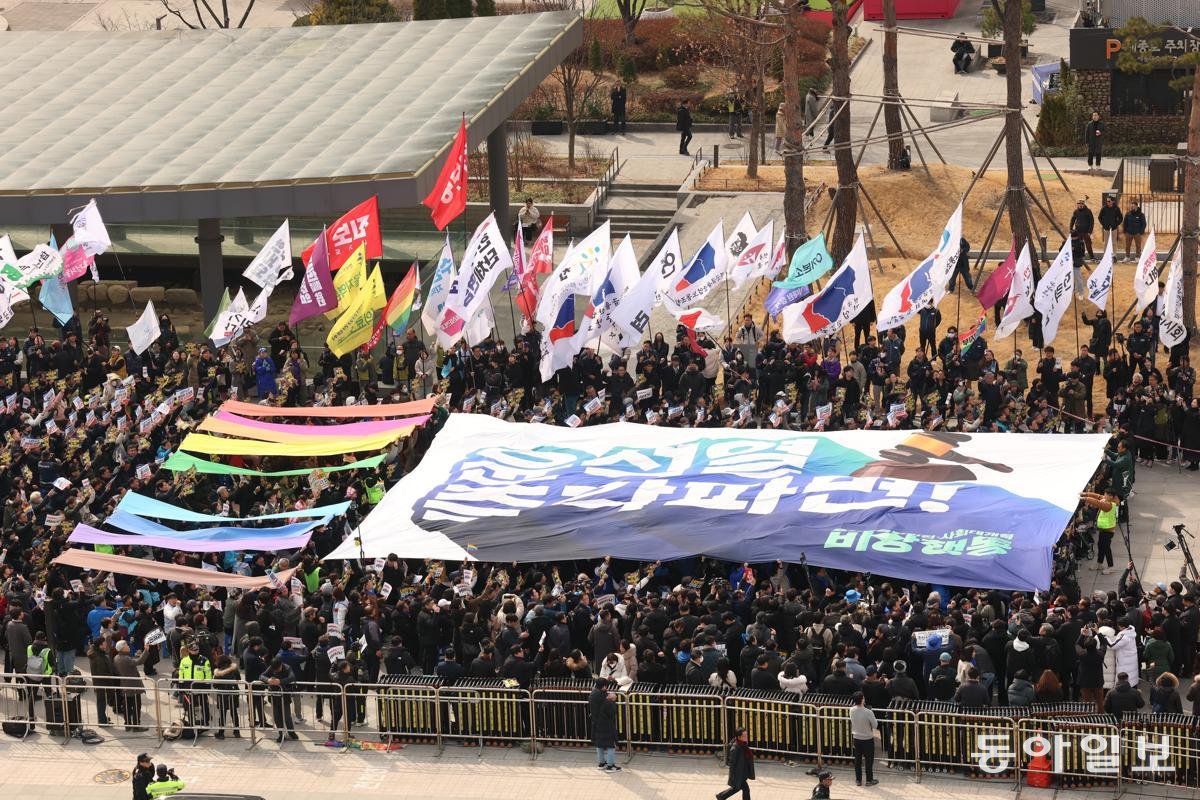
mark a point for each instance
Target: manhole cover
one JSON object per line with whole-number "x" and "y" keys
{"x": 112, "y": 776}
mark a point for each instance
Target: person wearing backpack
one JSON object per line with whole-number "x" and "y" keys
{"x": 37, "y": 656}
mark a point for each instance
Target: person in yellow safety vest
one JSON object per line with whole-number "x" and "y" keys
{"x": 194, "y": 669}
{"x": 1106, "y": 506}
{"x": 167, "y": 782}
{"x": 37, "y": 652}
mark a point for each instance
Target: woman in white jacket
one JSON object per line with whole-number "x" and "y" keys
{"x": 723, "y": 678}
{"x": 790, "y": 680}
{"x": 613, "y": 668}
{"x": 1120, "y": 654}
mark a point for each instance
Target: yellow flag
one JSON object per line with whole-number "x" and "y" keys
{"x": 353, "y": 328}
{"x": 377, "y": 296}
{"x": 349, "y": 280}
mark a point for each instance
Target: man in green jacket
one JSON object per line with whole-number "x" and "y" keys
{"x": 166, "y": 782}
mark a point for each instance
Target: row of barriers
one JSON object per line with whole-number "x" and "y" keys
{"x": 1067, "y": 743}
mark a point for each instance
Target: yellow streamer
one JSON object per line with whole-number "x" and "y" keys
{"x": 215, "y": 446}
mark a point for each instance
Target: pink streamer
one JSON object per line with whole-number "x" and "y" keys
{"x": 346, "y": 429}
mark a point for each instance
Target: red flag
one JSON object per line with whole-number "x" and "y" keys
{"x": 359, "y": 225}
{"x": 449, "y": 196}
{"x": 689, "y": 321}
{"x": 540, "y": 262}
{"x": 996, "y": 287}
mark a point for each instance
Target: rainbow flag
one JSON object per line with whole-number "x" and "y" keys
{"x": 399, "y": 308}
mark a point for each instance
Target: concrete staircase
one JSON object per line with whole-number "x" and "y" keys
{"x": 641, "y": 210}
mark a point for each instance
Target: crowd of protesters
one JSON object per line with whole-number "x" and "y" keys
{"x": 83, "y": 423}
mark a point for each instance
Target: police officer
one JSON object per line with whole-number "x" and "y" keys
{"x": 143, "y": 775}
{"x": 165, "y": 783}
{"x": 195, "y": 670}
{"x": 824, "y": 782}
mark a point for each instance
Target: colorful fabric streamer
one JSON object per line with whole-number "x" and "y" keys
{"x": 135, "y": 524}
{"x": 213, "y": 446}
{"x": 343, "y": 429}
{"x": 339, "y": 412}
{"x": 157, "y": 570}
{"x": 182, "y": 462}
{"x": 134, "y": 503}
{"x": 86, "y": 534}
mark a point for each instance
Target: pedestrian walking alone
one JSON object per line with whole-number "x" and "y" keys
{"x": 741, "y": 766}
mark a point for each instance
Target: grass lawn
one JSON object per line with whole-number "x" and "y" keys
{"x": 607, "y": 9}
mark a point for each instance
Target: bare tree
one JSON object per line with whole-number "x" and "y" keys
{"x": 577, "y": 76}
{"x": 631, "y": 12}
{"x": 846, "y": 214}
{"x": 891, "y": 87}
{"x": 744, "y": 46}
{"x": 202, "y": 14}
{"x": 1135, "y": 56}
{"x": 1018, "y": 217}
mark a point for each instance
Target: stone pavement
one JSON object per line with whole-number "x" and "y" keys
{"x": 45, "y": 771}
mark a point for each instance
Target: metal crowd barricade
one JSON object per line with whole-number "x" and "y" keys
{"x": 121, "y": 708}
{"x": 898, "y": 737}
{"x": 30, "y": 699}
{"x": 561, "y": 717}
{"x": 949, "y": 740}
{"x": 833, "y": 728}
{"x": 1081, "y": 751}
{"x": 486, "y": 711}
{"x": 406, "y": 709}
{"x": 675, "y": 722}
{"x": 188, "y": 710}
{"x": 780, "y": 724}
{"x": 1161, "y": 749}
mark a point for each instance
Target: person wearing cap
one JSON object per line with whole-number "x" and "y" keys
{"x": 863, "y": 728}
{"x": 901, "y": 684}
{"x": 143, "y": 776}
{"x": 195, "y": 671}
{"x": 741, "y": 766}
{"x": 165, "y": 782}
{"x": 824, "y": 783}
{"x": 264, "y": 374}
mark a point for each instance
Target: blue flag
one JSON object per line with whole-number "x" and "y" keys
{"x": 810, "y": 261}
{"x": 55, "y": 297}
{"x": 779, "y": 299}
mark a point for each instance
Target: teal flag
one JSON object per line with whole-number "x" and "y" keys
{"x": 54, "y": 295}
{"x": 810, "y": 261}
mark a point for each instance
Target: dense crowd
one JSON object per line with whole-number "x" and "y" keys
{"x": 83, "y": 423}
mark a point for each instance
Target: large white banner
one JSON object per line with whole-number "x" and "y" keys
{"x": 273, "y": 264}
{"x": 1054, "y": 293}
{"x": 986, "y": 512}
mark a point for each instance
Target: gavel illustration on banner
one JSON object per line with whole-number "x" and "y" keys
{"x": 914, "y": 459}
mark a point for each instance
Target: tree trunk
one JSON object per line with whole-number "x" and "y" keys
{"x": 1012, "y": 126}
{"x": 843, "y": 154}
{"x": 630, "y": 27}
{"x": 1191, "y": 209}
{"x": 891, "y": 86}
{"x": 756, "y": 127}
{"x": 795, "y": 225}
{"x": 569, "y": 113}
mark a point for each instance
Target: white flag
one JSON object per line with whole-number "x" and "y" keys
{"x": 481, "y": 325}
{"x": 622, "y": 276}
{"x": 1020, "y": 296}
{"x": 755, "y": 259}
{"x": 1100, "y": 281}
{"x": 90, "y": 232}
{"x": 231, "y": 321}
{"x": 439, "y": 287}
{"x": 7, "y": 256}
{"x": 739, "y": 239}
{"x": 143, "y": 332}
{"x": 581, "y": 269}
{"x": 485, "y": 260}
{"x": 840, "y": 300}
{"x": 778, "y": 260}
{"x": 1171, "y": 330}
{"x": 632, "y": 317}
{"x": 1145, "y": 275}
{"x": 1054, "y": 293}
{"x": 273, "y": 263}
{"x": 38, "y": 264}
{"x": 10, "y": 295}
{"x": 944, "y": 259}
{"x": 258, "y": 309}
{"x": 681, "y": 289}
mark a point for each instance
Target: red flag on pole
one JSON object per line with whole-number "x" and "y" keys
{"x": 359, "y": 225}
{"x": 449, "y": 196}
{"x": 998, "y": 283}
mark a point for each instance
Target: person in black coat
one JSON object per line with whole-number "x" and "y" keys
{"x": 1083, "y": 223}
{"x": 1093, "y": 136}
{"x": 683, "y": 124}
{"x": 618, "y": 97}
{"x": 602, "y": 708}
{"x": 741, "y": 766}
{"x": 143, "y": 776}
